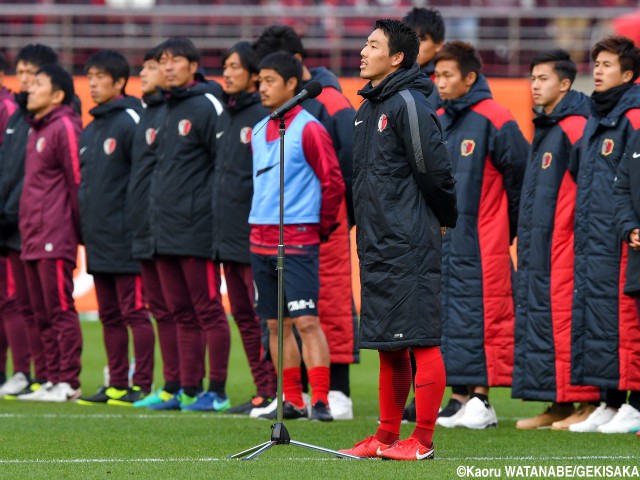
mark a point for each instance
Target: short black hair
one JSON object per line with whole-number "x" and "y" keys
{"x": 628, "y": 53}
{"x": 426, "y": 21}
{"x": 37, "y": 54}
{"x": 60, "y": 80}
{"x": 285, "y": 65}
{"x": 152, "y": 54}
{"x": 276, "y": 38}
{"x": 401, "y": 38}
{"x": 561, "y": 60}
{"x": 462, "y": 52}
{"x": 248, "y": 57}
{"x": 111, "y": 62}
{"x": 180, "y": 47}
{"x": 3, "y": 63}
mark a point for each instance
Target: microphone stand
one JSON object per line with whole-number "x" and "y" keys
{"x": 279, "y": 433}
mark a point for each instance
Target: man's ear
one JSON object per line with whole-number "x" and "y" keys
{"x": 396, "y": 59}
{"x": 292, "y": 84}
{"x": 57, "y": 97}
{"x": 565, "y": 85}
{"x": 119, "y": 84}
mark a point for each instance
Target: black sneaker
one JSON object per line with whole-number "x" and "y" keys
{"x": 320, "y": 412}
{"x": 409, "y": 414}
{"x": 103, "y": 395}
{"x": 245, "y": 408}
{"x": 133, "y": 394}
{"x": 289, "y": 412}
{"x": 453, "y": 407}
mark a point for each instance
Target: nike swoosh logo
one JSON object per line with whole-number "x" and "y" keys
{"x": 425, "y": 384}
{"x": 423, "y": 456}
{"x": 82, "y": 150}
{"x": 9, "y": 131}
{"x": 635, "y": 155}
{"x": 358, "y": 122}
{"x": 264, "y": 170}
{"x": 218, "y": 405}
{"x": 219, "y": 134}
{"x": 379, "y": 451}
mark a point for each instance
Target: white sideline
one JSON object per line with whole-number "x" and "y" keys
{"x": 214, "y": 459}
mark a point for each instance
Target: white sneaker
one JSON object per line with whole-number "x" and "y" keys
{"x": 61, "y": 392}
{"x": 256, "y": 412}
{"x": 341, "y": 405}
{"x": 627, "y": 419}
{"x": 35, "y": 396}
{"x": 600, "y": 416}
{"x": 477, "y": 415}
{"x": 14, "y": 385}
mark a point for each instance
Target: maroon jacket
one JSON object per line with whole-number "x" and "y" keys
{"x": 49, "y": 218}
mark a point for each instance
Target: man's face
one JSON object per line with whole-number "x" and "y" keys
{"x": 449, "y": 80}
{"x": 236, "y": 77}
{"x": 546, "y": 87}
{"x": 151, "y": 77}
{"x": 376, "y": 64}
{"x": 428, "y": 50}
{"x": 178, "y": 71}
{"x": 274, "y": 91}
{"x": 42, "y": 99}
{"x": 607, "y": 72}
{"x": 26, "y": 73}
{"x": 102, "y": 87}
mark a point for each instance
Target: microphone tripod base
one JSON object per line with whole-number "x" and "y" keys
{"x": 280, "y": 436}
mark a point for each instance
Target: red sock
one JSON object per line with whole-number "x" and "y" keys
{"x": 429, "y": 389}
{"x": 393, "y": 390}
{"x": 319, "y": 379}
{"x": 292, "y": 386}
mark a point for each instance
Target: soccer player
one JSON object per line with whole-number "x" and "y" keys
{"x": 313, "y": 192}
{"x": 429, "y": 26}
{"x": 50, "y": 227}
{"x": 605, "y": 348}
{"x": 28, "y": 61}
{"x": 542, "y": 367}
{"x": 335, "y": 306}
{"x": 13, "y": 330}
{"x": 404, "y": 195}
{"x": 182, "y": 223}
{"x": 105, "y": 162}
{"x": 143, "y": 163}
{"x": 489, "y": 155}
{"x": 232, "y": 192}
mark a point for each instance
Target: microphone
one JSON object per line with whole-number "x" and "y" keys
{"x": 311, "y": 90}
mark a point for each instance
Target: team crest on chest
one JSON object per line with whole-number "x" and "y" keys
{"x": 607, "y": 147}
{"x": 184, "y": 127}
{"x": 150, "y": 136}
{"x": 40, "y": 144}
{"x": 382, "y": 122}
{"x": 546, "y": 160}
{"x": 245, "y": 135}
{"x": 109, "y": 146}
{"x": 467, "y": 147}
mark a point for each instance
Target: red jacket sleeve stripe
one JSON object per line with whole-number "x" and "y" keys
{"x": 72, "y": 141}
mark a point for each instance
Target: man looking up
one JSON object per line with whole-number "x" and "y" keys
{"x": 404, "y": 198}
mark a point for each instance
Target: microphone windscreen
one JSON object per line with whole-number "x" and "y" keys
{"x": 313, "y": 89}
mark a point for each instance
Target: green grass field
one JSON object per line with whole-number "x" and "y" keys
{"x": 72, "y": 441}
